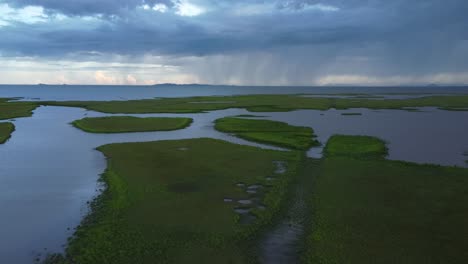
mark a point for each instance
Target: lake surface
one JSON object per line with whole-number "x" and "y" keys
{"x": 425, "y": 136}
{"x": 49, "y": 169}
{"x": 93, "y": 92}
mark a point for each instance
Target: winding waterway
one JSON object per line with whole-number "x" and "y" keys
{"x": 49, "y": 169}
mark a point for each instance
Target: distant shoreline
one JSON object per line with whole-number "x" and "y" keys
{"x": 257, "y": 86}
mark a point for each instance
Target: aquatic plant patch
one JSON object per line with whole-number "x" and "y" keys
{"x": 170, "y": 206}
{"x": 366, "y": 209}
{"x": 122, "y": 124}
{"x": 270, "y": 132}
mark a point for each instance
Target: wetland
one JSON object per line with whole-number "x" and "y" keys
{"x": 234, "y": 179}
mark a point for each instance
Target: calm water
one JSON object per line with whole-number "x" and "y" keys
{"x": 72, "y": 92}
{"x": 49, "y": 169}
{"x": 429, "y": 136}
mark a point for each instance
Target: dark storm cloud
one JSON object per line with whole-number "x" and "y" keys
{"x": 418, "y": 37}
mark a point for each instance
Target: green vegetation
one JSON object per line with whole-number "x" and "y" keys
{"x": 14, "y": 109}
{"x": 120, "y": 124}
{"x": 263, "y": 103}
{"x": 355, "y": 146}
{"x": 164, "y": 203}
{"x": 370, "y": 210}
{"x": 5, "y": 131}
{"x": 270, "y": 132}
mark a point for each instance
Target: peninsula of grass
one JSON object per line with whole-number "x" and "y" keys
{"x": 269, "y": 132}
{"x": 164, "y": 203}
{"x": 14, "y": 109}
{"x": 366, "y": 209}
{"x": 5, "y": 131}
{"x": 122, "y": 124}
{"x": 263, "y": 103}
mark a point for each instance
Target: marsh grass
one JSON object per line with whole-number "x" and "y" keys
{"x": 163, "y": 205}
{"x": 6, "y": 129}
{"x": 263, "y": 103}
{"x": 370, "y": 210}
{"x": 355, "y": 147}
{"x": 270, "y": 132}
{"x": 122, "y": 124}
{"x": 14, "y": 109}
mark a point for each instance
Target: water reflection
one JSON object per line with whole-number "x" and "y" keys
{"x": 426, "y": 136}
{"x": 49, "y": 169}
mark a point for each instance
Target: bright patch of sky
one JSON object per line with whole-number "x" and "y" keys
{"x": 440, "y": 78}
{"x": 157, "y": 7}
{"x": 271, "y": 8}
{"x": 147, "y": 71}
{"x": 186, "y": 8}
{"x": 160, "y": 7}
{"x": 322, "y": 7}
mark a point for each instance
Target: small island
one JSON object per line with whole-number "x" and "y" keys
{"x": 269, "y": 132}
{"x": 125, "y": 124}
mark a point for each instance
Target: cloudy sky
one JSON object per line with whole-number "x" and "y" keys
{"x": 252, "y": 42}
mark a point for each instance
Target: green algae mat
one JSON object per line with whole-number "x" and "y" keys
{"x": 365, "y": 209}
{"x": 5, "y": 131}
{"x": 122, "y": 124}
{"x": 182, "y": 202}
{"x": 270, "y": 132}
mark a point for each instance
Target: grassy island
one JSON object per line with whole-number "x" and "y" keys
{"x": 5, "y": 131}
{"x": 366, "y": 209}
{"x": 121, "y": 124}
{"x": 263, "y": 103}
{"x": 270, "y": 132}
{"x": 182, "y": 201}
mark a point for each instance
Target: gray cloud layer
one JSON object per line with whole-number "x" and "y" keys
{"x": 299, "y": 38}
{"x": 85, "y": 7}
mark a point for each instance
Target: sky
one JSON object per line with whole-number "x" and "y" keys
{"x": 236, "y": 42}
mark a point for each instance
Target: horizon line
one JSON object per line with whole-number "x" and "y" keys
{"x": 248, "y": 85}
